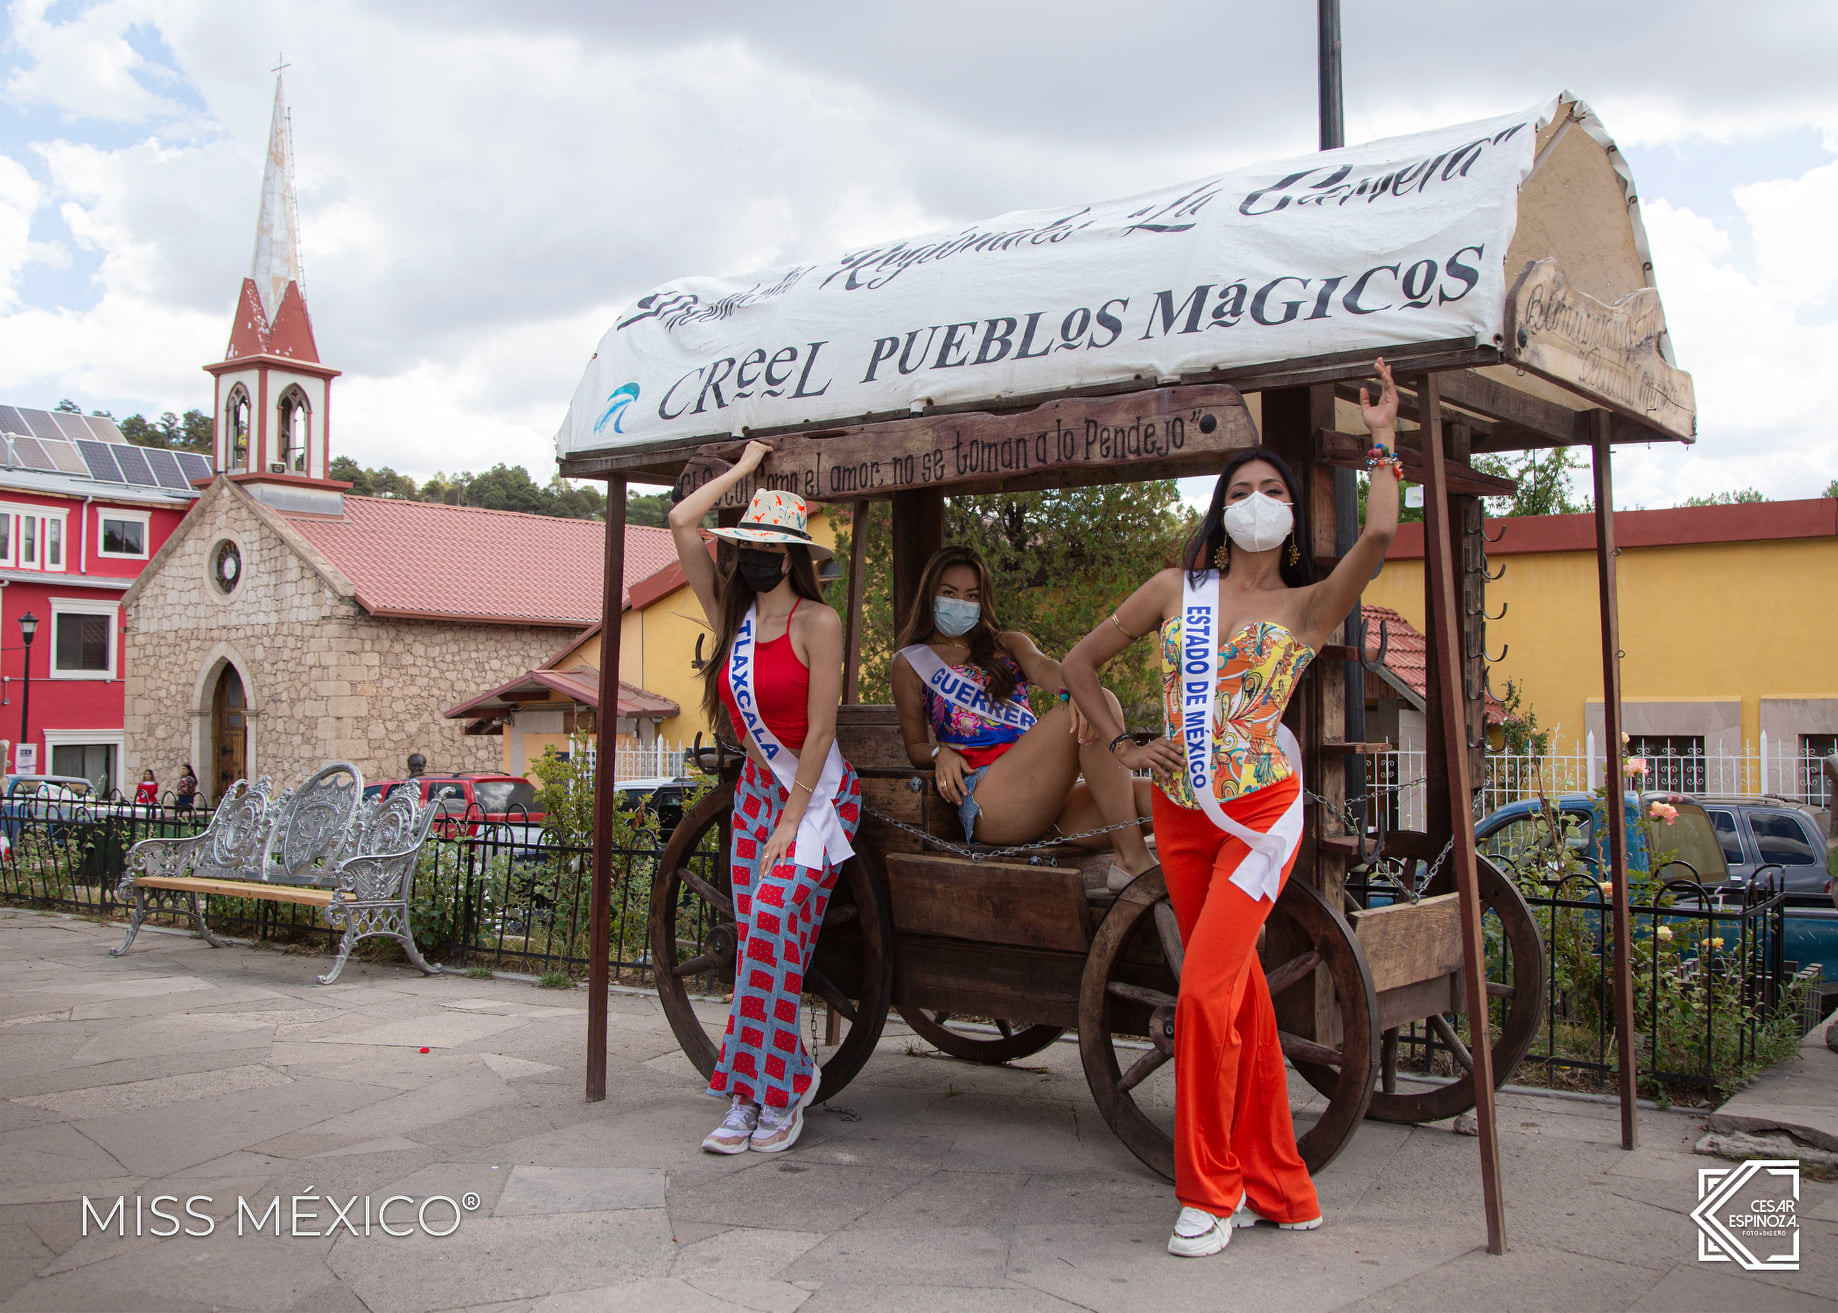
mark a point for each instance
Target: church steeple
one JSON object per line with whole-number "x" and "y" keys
{"x": 273, "y": 395}
{"x": 277, "y": 228}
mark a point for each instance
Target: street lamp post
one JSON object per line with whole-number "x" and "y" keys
{"x": 28, "y": 626}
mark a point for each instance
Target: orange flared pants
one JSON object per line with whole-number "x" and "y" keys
{"x": 1233, "y": 1136}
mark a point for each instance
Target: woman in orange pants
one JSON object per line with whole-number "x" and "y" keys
{"x": 1238, "y": 622}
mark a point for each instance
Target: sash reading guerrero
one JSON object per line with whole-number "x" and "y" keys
{"x": 1260, "y": 874}
{"x": 820, "y": 834}
{"x": 953, "y": 687}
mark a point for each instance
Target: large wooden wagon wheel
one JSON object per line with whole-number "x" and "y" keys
{"x": 693, "y": 944}
{"x": 953, "y": 1035}
{"x": 1131, "y": 980}
{"x": 1516, "y": 973}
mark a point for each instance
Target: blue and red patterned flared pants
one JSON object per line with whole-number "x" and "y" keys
{"x": 777, "y": 914}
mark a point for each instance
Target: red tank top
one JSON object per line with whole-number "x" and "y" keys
{"x": 781, "y": 686}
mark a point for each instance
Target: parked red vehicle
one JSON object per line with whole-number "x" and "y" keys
{"x": 470, "y": 800}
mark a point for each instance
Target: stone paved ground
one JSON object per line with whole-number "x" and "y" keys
{"x": 182, "y": 1070}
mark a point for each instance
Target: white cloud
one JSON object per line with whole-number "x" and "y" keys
{"x": 83, "y": 66}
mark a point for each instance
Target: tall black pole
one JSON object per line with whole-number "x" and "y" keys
{"x": 1346, "y": 482}
{"x": 25, "y": 705}
{"x": 1333, "y": 112}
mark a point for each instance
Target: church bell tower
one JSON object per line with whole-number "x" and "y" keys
{"x": 272, "y": 396}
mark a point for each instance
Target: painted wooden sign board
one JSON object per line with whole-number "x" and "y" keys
{"x": 1131, "y": 436}
{"x": 1607, "y": 353}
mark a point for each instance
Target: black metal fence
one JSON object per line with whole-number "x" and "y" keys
{"x": 1714, "y": 996}
{"x": 503, "y": 896}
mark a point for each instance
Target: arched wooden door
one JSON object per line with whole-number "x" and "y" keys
{"x": 229, "y": 732}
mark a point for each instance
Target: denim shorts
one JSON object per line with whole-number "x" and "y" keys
{"x": 968, "y": 810}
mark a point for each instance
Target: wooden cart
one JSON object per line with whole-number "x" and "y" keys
{"x": 1027, "y": 951}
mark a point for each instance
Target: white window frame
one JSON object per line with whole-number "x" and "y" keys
{"x": 85, "y": 738}
{"x": 61, "y": 606}
{"x": 142, "y": 518}
{"x": 16, "y": 535}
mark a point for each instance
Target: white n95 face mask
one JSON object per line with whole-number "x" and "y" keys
{"x": 1258, "y": 522}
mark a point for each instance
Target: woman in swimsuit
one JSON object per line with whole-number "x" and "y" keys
{"x": 777, "y": 669}
{"x": 1228, "y": 805}
{"x": 959, "y": 681}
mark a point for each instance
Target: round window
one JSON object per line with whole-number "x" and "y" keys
{"x": 226, "y": 566}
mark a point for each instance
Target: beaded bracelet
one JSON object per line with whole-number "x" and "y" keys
{"x": 1378, "y": 457}
{"x": 1065, "y": 694}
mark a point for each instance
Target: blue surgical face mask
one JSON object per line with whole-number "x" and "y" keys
{"x": 954, "y": 616}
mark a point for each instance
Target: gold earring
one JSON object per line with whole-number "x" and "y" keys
{"x": 1295, "y": 553}
{"x": 1223, "y": 557}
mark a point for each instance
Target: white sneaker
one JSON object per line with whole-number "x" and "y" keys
{"x": 779, "y": 1128}
{"x": 736, "y": 1128}
{"x": 1249, "y": 1216}
{"x": 1198, "y": 1233}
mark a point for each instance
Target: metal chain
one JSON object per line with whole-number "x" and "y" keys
{"x": 980, "y": 854}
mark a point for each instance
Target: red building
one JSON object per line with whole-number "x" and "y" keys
{"x": 81, "y": 512}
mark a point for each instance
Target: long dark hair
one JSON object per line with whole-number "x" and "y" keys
{"x": 1203, "y": 545}
{"x": 998, "y": 677}
{"x": 734, "y": 595}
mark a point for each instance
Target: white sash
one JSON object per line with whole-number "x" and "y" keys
{"x": 821, "y": 835}
{"x": 954, "y": 688}
{"x": 1260, "y": 874}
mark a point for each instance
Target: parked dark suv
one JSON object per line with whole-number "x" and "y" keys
{"x": 1759, "y": 832}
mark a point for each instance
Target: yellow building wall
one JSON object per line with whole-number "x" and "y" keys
{"x": 658, "y": 644}
{"x": 1726, "y": 622}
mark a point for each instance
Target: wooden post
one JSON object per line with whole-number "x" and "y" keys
{"x": 1446, "y": 655}
{"x": 1614, "y": 779}
{"x": 606, "y": 755}
{"x": 852, "y": 617}
{"x": 918, "y": 531}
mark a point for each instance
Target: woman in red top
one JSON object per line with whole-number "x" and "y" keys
{"x": 147, "y": 792}
{"x": 777, "y": 668}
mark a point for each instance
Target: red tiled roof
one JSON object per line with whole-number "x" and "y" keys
{"x": 1407, "y": 653}
{"x": 427, "y": 560}
{"x": 582, "y": 685}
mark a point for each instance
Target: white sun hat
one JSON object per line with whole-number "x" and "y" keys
{"x": 775, "y": 517}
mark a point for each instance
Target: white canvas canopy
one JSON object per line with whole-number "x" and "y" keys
{"x": 1415, "y": 243}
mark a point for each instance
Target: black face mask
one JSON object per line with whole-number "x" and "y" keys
{"x": 762, "y": 571}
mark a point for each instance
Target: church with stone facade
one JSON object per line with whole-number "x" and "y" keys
{"x": 286, "y": 623}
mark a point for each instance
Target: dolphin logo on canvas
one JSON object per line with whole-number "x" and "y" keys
{"x": 615, "y": 408}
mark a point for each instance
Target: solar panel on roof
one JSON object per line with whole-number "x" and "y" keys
{"x": 10, "y": 422}
{"x": 195, "y": 466}
{"x": 166, "y": 468}
{"x": 65, "y": 457}
{"x": 40, "y": 424}
{"x": 104, "y": 428}
{"x": 134, "y": 467}
{"x": 30, "y": 453}
{"x": 100, "y": 457}
{"x": 70, "y": 425}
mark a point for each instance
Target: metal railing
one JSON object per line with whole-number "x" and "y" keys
{"x": 1713, "y": 990}
{"x": 507, "y": 895}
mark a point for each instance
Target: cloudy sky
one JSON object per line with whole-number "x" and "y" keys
{"x": 483, "y": 183}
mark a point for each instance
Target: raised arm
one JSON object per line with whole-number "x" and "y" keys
{"x": 685, "y": 527}
{"x": 1335, "y": 596}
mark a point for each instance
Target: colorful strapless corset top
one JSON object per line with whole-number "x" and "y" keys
{"x": 1260, "y": 665}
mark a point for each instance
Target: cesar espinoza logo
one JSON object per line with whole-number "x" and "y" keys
{"x": 1747, "y": 1211}
{"x": 621, "y": 397}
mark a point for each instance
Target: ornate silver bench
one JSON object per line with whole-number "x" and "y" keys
{"x": 319, "y": 845}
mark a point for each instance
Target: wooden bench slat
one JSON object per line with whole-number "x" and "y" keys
{"x": 274, "y": 893}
